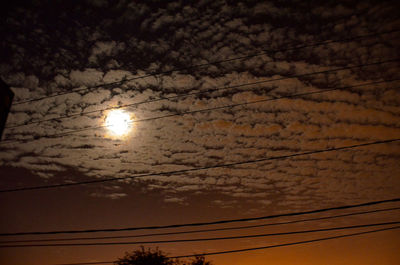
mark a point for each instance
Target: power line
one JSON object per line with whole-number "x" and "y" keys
{"x": 256, "y": 248}
{"x": 6, "y": 141}
{"x": 290, "y": 244}
{"x": 203, "y": 223}
{"x": 202, "y": 230}
{"x": 262, "y": 52}
{"x": 394, "y": 228}
{"x": 199, "y": 168}
{"x": 200, "y": 239}
{"x": 67, "y": 116}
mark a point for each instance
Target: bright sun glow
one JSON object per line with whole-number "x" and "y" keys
{"x": 118, "y": 122}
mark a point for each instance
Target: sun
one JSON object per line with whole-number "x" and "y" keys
{"x": 118, "y": 122}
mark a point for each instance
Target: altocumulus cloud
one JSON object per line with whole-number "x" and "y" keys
{"x": 143, "y": 38}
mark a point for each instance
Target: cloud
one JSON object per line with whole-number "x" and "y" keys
{"x": 174, "y": 200}
{"x": 88, "y": 77}
{"x": 177, "y": 36}
{"x": 112, "y": 196}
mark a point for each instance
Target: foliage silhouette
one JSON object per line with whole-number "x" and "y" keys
{"x": 156, "y": 257}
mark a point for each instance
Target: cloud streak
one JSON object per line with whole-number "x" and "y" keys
{"x": 177, "y": 36}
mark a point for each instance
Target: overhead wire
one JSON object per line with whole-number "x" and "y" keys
{"x": 201, "y": 230}
{"x": 224, "y": 221}
{"x": 34, "y": 138}
{"x": 248, "y": 57}
{"x": 52, "y": 186}
{"x": 158, "y": 73}
{"x": 337, "y": 22}
{"x": 255, "y": 248}
{"x": 6, "y": 141}
{"x": 289, "y": 244}
{"x": 210, "y": 90}
{"x": 200, "y": 239}
{"x": 232, "y": 251}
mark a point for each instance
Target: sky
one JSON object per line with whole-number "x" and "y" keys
{"x": 216, "y": 83}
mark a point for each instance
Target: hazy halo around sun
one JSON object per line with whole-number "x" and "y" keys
{"x": 118, "y": 122}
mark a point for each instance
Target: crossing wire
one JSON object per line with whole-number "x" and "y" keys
{"x": 343, "y": 207}
{"x": 200, "y": 239}
{"x": 159, "y": 73}
{"x": 290, "y": 244}
{"x": 255, "y": 248}
{"x": 274, "y": 246}
{"x": 202, "y": 230}
{"x": 210, "y": 90}
{"x": 52, "y": 186}
{"x": 11, "y": 140}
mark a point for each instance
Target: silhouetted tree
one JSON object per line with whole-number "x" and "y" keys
{"x": 145, "y": 257}
{"x": 156, "y": 257}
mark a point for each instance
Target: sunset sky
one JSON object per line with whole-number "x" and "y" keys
{"x": 234, "y": 83}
